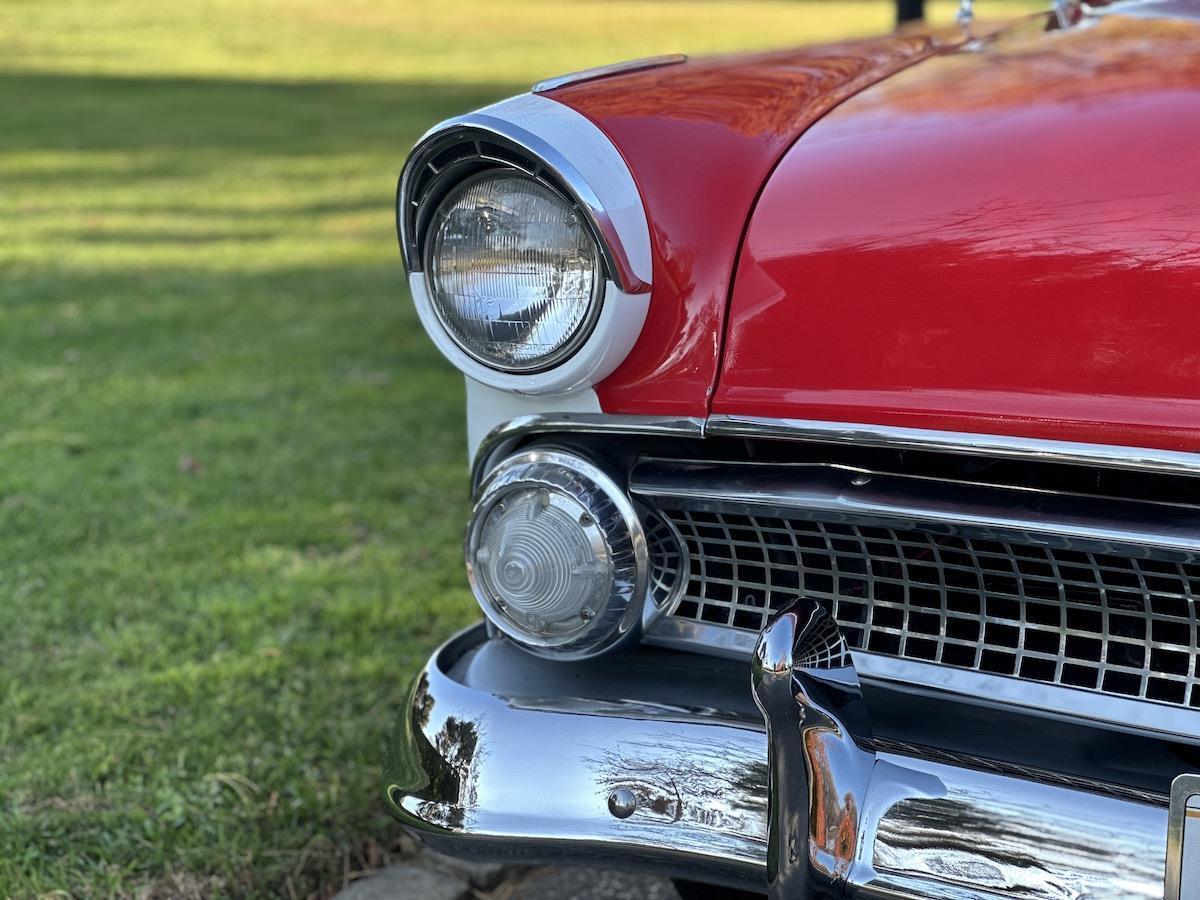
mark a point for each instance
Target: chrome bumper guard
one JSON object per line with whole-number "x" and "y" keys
{"x": 807, "y": 807}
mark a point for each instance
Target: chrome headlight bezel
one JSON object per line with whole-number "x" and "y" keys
{"x": 461, "y": 148}
{"x": 578, "y": 336}
{"x": 560, "y": 148}
{"x": 611, "y": 513}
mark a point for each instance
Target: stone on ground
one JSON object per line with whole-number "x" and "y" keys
{"x": 593, "y": 884}
{"x": 407, "y": 881}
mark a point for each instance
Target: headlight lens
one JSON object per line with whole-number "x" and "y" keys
{"x": 556, "y": 555}
{"x": 514, "y": 273}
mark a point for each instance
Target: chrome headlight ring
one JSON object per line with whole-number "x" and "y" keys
{"x": 568, "y": 156}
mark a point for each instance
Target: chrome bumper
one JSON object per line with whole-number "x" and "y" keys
{"x": 504, "y": 756}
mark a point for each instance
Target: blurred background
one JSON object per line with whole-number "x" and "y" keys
{"x": 232, "y": 468}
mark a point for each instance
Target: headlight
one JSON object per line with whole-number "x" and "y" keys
{"x": 515, "y": 275}
{"x": 556, "y": 555}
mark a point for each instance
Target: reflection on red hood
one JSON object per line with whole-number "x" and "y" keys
{"x": 701, "y": 138}
{"x": 1004, "y": 241}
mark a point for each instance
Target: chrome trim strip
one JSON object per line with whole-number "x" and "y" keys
{"x": 503, "y": 437}
{"x": 1049, "y": 700}
{"x": 842, "y": 494}
{"x": 530, "y": 776}
{"x": 1031, "y": 449}
{"x": 620, "y": 68}
{"x": 1169, "y": 462}
{"x": 701, "y": 637}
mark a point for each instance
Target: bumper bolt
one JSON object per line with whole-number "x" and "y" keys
{"x": 622, "y": 802}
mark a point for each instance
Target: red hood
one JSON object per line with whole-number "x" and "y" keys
{"x": 1004, "y": 241}
{"x": 700, "y": 139}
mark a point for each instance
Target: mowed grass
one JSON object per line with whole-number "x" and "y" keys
{"x": 232, "y": 469}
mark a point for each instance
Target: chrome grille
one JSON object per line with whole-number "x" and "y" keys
{"x": 664, "y": 545}
{"x": 1109, "y": 623}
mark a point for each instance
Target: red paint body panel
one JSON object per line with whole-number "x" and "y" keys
{"x": 1002, "y": 242}
{"x": 701, "y": 139}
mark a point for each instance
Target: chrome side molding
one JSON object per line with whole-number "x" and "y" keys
{"x": 1136, "y": 459}
{"x": 1170, "y": 462}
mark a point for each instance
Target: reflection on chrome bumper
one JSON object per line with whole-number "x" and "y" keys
{"x": 532, "y": 771}
{"x": 533, "y": 776}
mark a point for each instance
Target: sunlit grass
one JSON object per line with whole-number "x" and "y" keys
{"x": 461, "y": 41}
{"x": 232, "y": 470}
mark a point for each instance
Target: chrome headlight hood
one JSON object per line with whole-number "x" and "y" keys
{"x": 561, "y": 149}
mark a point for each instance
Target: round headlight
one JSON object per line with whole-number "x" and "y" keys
{"x": 514, "y": 273}
{"x": 556, "y": 555}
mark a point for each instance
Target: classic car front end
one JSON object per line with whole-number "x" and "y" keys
{"x": 835, "y": 417}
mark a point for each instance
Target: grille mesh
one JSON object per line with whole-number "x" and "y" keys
{"x": 665, "y": 547}
{"x": 1108, "y": 623}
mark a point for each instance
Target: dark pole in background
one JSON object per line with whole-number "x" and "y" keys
{"x": 909, "y": 11}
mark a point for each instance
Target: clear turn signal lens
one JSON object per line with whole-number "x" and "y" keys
{"x": 556, "y": 555}
{"x": 545, "y": 562}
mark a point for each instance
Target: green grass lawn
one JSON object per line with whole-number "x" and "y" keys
{"x": 232, "y": 468}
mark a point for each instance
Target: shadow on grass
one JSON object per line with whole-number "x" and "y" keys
{"x": 104, "y": 113}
